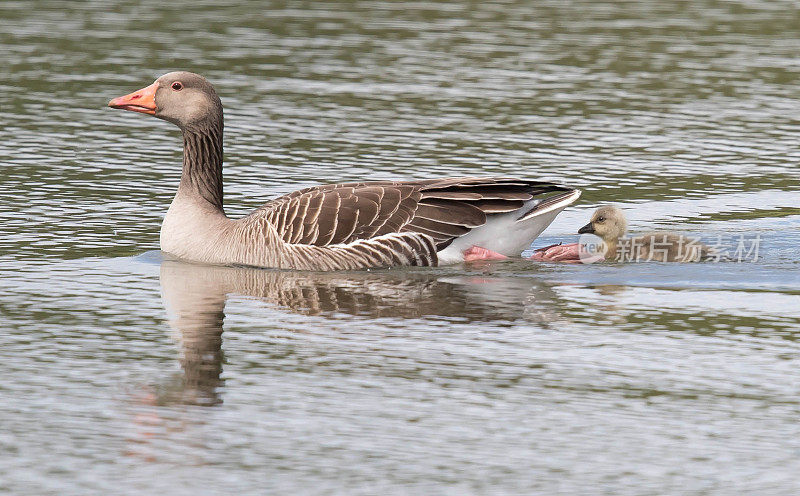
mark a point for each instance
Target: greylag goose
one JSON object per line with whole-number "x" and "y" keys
{"x": 609, "y": 224}
{"x": 334, "y": 226}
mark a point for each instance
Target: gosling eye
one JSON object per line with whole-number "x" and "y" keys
{"x": 600, "y": 219}
{"x": 177, "y": 86}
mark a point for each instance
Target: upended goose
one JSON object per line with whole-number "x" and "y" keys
{"x": 335, "y": 226}
{"x": 609, "y": 224}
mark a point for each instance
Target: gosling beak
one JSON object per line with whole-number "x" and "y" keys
{"x": 587, "y": 229}
{"x": 143, "y": 100}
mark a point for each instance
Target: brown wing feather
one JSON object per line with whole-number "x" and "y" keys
{"x": 498, "y": 206}
{"x": 442, "y": 209}
{"x": 453, "y": 212}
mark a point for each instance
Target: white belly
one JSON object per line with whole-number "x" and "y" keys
{"x": 503, "y": 233}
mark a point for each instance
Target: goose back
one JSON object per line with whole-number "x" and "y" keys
{"x": 442, "y": 209}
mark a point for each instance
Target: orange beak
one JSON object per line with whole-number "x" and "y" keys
{"x": 143, "y": 100}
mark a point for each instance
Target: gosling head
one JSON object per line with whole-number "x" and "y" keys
{"x": 608, "y": 222}
{"x": 182, "y": 98}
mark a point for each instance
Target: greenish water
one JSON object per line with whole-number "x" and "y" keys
{"x": 125, "y": 373}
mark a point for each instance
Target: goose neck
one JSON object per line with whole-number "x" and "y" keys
{"x": 202, "y": 164}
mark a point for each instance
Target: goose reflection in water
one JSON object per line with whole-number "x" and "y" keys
{"x": 195, "y": 297}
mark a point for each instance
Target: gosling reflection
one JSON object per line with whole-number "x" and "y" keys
{"x": 195, "y": 297}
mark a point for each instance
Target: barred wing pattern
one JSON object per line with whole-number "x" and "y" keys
{"x": 429, "y": 214}
{"x": 388, "y": 250}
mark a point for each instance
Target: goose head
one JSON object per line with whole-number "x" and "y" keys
{"x": 608, "y": 222}
{"x": 183, "y": 98}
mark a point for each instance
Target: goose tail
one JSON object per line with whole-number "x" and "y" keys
{"x": 556, "y": 202}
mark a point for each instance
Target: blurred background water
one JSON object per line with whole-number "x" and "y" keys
{"x": 504, "y": 378}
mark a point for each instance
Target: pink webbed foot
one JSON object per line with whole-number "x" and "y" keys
{"x": 571, "y": 253}
{"x": 538, "y": 254}
{"x": 477, "y": 253}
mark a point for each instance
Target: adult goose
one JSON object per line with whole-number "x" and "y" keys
{"x": 609, "y": 224}
{"x": 334, "y": 226}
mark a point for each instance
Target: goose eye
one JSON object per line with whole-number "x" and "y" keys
{"x": 601, "y": 219}
{"x": 177, "y": 86}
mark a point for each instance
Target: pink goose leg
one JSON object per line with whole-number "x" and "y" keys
{"x": 477, "y": 253}
{"x": 570, "y": 253}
